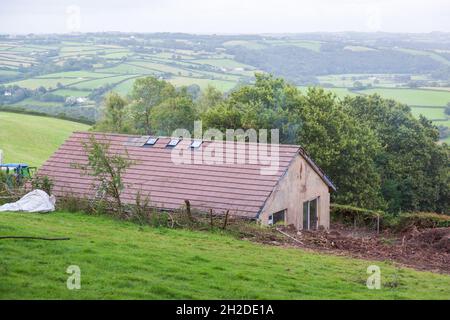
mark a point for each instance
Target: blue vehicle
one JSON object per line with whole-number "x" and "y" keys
{"x": 19, "y": 171}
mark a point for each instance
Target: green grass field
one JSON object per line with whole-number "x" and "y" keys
{"x": 339, "y": 92}
{"x": 32, "y": 139}
{"x": 430, "y": 113}
{"x": 71, "y": 93}
{"x": 413, "y": 97}
{"x": 121, "y": 260}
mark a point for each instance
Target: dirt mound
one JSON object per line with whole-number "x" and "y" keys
{"x": 427, "y": 249}
{"x": 438, "y": 238}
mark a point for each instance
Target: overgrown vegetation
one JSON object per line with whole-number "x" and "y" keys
{"x": 107, "y": 170}
{"x": 359, "y": 217}
{"x": 43, "y": 183}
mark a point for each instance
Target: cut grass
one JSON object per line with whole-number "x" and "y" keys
{"x": 121, "y": 260}
{"x": 32, "y": 139}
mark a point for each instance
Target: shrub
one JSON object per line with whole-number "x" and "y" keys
{"x": 71, "y": 203}
{"x": 422, "y": 220}
{"x": 400, "y": 222}
{"x": 356, "y": 216}
{"x": 141, "y": 211}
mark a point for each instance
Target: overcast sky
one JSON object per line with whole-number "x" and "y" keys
{"x": 224, "y": 16}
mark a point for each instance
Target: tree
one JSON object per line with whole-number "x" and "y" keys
{"x": 209, "y": 98}
{"x": 413, "y": 166}
{"x": 343, "y": 147}
{"x": 115, "y": 116}
{"x": 146, "y": 94}
{"x": 107, "y": 170}
{"x": 172, "y": 114}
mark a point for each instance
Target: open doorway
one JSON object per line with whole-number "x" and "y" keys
{"x": 310, "y": 214}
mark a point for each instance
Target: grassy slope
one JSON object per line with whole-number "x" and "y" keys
{"x": 122, "y": 260}
{"x": 32, "y": 139}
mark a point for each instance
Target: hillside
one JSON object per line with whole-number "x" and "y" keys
{"x": 32, "y": 139}
{"x": 123, "y": 260}
{"x": 70, "y": 74}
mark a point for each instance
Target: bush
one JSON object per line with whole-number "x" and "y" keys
{"x": 355, "y": 216}
{"x": 421, "y": 220}
{"x": 70, "y": 203}
{"x": 368, "y": 218}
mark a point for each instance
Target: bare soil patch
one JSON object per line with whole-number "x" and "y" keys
{"x": 423, "y": 249}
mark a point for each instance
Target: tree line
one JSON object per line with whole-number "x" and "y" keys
{"x": 374, "y": 150}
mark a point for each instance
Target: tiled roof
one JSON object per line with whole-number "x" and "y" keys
{"x": 239, "y": 188}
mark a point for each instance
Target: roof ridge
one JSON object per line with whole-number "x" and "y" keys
{"x": 168, "y": 137}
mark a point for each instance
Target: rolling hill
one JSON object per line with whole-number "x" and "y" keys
{"x": 32, "y": 139}
{"x": 410, "y": 68}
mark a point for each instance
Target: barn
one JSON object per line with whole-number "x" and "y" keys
{"x": 267, "y": 182}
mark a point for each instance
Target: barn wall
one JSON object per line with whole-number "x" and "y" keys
{"x": 300, "y": 183}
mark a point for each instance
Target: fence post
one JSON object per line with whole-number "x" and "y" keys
{"x": 378, "y": 224}
{"x": 211, "y": 218}
{"x": 226, "y": 220}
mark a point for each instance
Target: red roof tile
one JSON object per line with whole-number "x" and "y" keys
{"x": 239, "y": 188}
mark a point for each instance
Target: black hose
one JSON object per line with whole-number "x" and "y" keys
{"x": 32, "y": 238}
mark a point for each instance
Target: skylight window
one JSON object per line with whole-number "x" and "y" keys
{"x": 173, "y": 142}
{"x": 151, "y": 141}
{"x": 196, "y": 144}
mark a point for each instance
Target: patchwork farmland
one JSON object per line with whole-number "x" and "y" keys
{"x": 72, "y": 73}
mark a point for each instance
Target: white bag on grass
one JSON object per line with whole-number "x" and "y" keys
{"x": 34, "y": 201}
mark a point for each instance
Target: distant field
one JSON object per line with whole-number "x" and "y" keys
{"x": 203, "y": 83}
{"x": 31, "y": 101}
{"x": 32, "y": 139}
{"x": 125, "y": 87}
{"x": 92, "y": 84}
{"x": 127, "y": 68}
{"x": 248, "y": 44}
{"x": 413, "y": 97}
{"x": 123, "y": 260}
{"x": 224, "y": 63}
{"x": 339, "y": 92}
{"x": 430, "y": 113}
{"x": 185, "y": 62}
{"x": 35, "y": 83}
{"x": 75, "y": 74}
{"x": 71, "y": 93}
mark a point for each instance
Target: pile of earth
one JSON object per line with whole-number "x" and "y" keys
{"x": 425, "y": 249}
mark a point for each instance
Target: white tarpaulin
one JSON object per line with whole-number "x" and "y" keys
{"x": 35, "y": 201}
